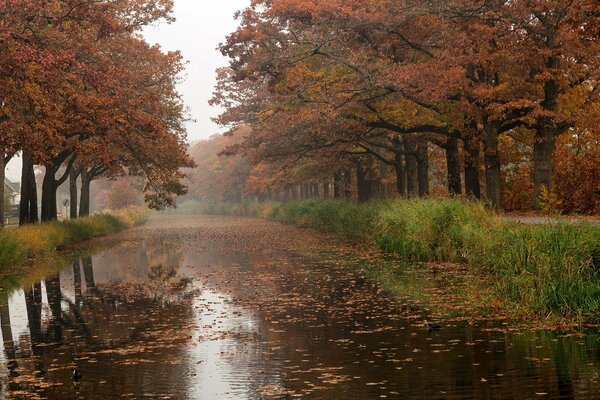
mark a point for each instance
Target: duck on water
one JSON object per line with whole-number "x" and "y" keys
{"x": 432, "y": 326}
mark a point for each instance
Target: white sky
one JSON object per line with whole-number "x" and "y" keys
{"x": 201, "y": 25}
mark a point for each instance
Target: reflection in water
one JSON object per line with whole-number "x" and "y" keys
{"x": 170, "y": 321}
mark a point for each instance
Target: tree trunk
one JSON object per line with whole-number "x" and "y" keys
{"x": 472, "y": 148}
{"x": 49, "y": 189}
{"x": 315, "y": 190}
{"x": 73, "y": 194}
{"x": 348, "y": 185}
{"x": 423, "y": 166}
{"x": 84, "y": 199}
{"x": 491, "y": 156}
{"x": 363, "y": 185}
{"x": 33, "y": 200}
{"x": 543, "y": 148}
{"x": 337, "y": 186}
{"x": 28, "y": 208}
{"x": 305, "y": 190}
{"x": 326, "y": 190}
{"x": 400, "y": 174}
{"x": 453, "y": 167}
{"x": 545, "y": 135}
{"x": 412, "y": 183}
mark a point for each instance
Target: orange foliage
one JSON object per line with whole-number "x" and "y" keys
{"x": 123, "y": 194}
{"x": 577, "y": 175}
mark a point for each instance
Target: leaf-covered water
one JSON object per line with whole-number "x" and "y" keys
{"x": 226, "y": 308}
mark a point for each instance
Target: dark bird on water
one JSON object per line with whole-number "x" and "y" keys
{"x": 76, "y": 376}
{"x": 432, "y": 327}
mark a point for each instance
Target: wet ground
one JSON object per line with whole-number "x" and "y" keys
{"x": 236, "y": 308}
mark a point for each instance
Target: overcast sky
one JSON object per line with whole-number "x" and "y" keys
{"x": 200, "y": 27}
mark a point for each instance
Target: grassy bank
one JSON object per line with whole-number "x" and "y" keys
{"x": 547, "y": 269}
{"x": 43, "y": 240}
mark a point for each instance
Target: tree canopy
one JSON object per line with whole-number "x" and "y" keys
{"x": 344, "y": 84}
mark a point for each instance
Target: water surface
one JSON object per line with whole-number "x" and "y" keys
{"x": 225, "y": 308}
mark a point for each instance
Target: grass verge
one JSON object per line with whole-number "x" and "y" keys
{"x": 43, "y": 240}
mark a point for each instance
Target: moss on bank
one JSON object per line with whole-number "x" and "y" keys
{"x": 43, "y": 240}
{"x": 543, "y": 269}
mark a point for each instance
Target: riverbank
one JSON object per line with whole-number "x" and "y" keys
{"x": 542, "y": 271}
{"x": 41, "y": 241}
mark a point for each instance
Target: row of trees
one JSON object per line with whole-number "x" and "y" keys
{"x": 331, "y": 86}
{"x": 84, "y": 96}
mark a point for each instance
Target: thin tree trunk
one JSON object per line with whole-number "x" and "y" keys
{"x": 363, "y": 185}
{"x": 453, "y": 167}
{"x": 412, "y": 184}
{"x": 400, "y": 174}
{"x": 492, "y": 164}
{"x": 73, "y": 193}
{"x": 348, "y": 185}
{"x": 305, "y": 190}
{"x": 423, "y": 166}
{"x": 84, "y": 200}
{"x": 326, "y": 190}
{"x": 337, "y": 185}
{"x": 472, "y": 154}
{"x": 315, "y": 190}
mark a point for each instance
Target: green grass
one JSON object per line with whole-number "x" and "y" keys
{"x": 545, "y": 270}
{"x": 43, "y": 240}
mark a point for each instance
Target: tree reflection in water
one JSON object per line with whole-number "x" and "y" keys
{"x": 115, "y": 324}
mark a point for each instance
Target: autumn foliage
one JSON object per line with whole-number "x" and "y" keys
{"x": 369, "y": 98}
{"x": 85, "y": 96}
